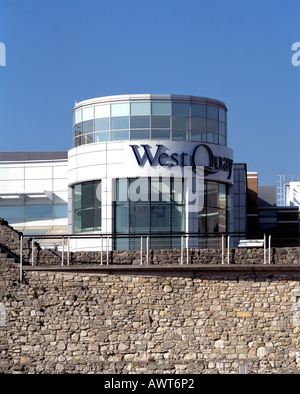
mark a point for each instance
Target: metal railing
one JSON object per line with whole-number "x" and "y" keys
{"x": 105, "y": 243}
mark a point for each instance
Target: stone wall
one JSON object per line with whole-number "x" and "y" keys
{"x": 169, "y": 321}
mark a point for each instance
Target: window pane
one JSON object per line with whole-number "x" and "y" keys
{"x": 97, "y": 193}
{"x": 222, "y": 115}
{"x": 38, "y": 212}
{"x": 77, "y": 129}
{"x": 120, "y": 123}
{"x": 87, "y": 126}
{"x": 77, "y": 197}
{"x": 160, "y": 218}
{"x": 139, "y": 218}
{"x": 122, "y": 219}
{"x": 140, "y": 108}
{"x": 87, "y": 113}
{"x": 197, "y": 136}
{"x": 102, "y": 111}
{"x": 213, "y": 138}
{"x": 180, "y": 123}
{"x": 177, "y": 218}
{"x": 160, "y": 134}
{"x": 60, "y": 211}
{"x": 181, "y": 109}
{"x": 122, "y": 190}
{"x": 161, "y": 108}
{"x": 222, "y": 140}
{"x": 78, "y": 117}
{"x": 12, "y": 212}
{"x": 140, "y": 122}
{"x": 97, "y": 219}
{"x": 87, "y": 139}
{"x": 199, "y": 110}
{"x": 212, "y": 194}
{"x": 77, "y": 141}
{"x": 212, "y": 220}
{"x": 179, "y": 135}
{"x": 222, "y": 128}
{"x": 102, "y": 124}
{"x": 140, "y": 134}
{"x": 87, "y": 219}
{"x": 102, "y": 137}
{"x": 120, "y": 109}
{"x": 198, "y": 124}
{"x": 160, "y": 122}
{"x": 212, "y": 112}
{"x": 212, "y": 126}
{"x": 120, "y": 135}
{"x": 87, "y": 194}
{"x": 222, "y": 196}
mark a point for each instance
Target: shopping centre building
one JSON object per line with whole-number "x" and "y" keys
{"x": 152, "y": 165}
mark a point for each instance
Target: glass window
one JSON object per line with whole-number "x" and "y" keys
{"x": 197, "y": 136}
{"x": 212, "y": 126}
{"x": 122, "y": 190}
{"x": 177, "y": 217}
{"x": 161, "y": 217}
{"x": 222, "y": 128}
{"x": 222, "y": 196}
{"x": 77, "y": 141}
{"x": 139, "y": 218}
{"x": 78, "y": 117}
{"x": 120, "y": 123}
{"x": 180, "y": 123}
{"x": 102, "y": 137}
{"x": 102, "y": 124}
{"x": 161, "y": 108}
{"x": 181, "y": 109}
{"x": 212, "y": 194}
{"x": 13, "y": 212}
{"x": 87, "y": 126}
{"x": 222, "y": 140}
{"x": 213, "y": 138}
{"x": 122, "y": 219}
{"x": 160, "y": 134}
{"x": 198, "y": 110}
{"x": 87, "y": 113}
{"x": 87, "y": 139}
{"x": 212, "y": 220}
{"x": 140, "y": 122}
{"x": 160, "y": 122}
{"x": 102, "y": 111}
{"x": 120, "y": 109}
{"x": 119, "y": 135}
{"x": 179, "y": 135}
{"x": 222, "y": 115}
{"x": 198, "y": 124}
{"x": 212, "y": 112}
{"x": 140, "y": 134}
{"x": 140, "y": 108}
{"x": 60, "y": 211}
{"x": 77, "y": 129}
{"x": 87, "y": 206}
{"x": 38, "y": 212}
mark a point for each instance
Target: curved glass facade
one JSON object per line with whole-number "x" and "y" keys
{"x": 87, "y": 206}
{"x": 153, "y": 119}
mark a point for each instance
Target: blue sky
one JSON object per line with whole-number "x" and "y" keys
{"x": 59, "y": 52}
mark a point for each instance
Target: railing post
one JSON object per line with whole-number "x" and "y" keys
{"x": 187, "y": 249}
{"x": 269, "y": 249}
{"x": 32, "y": 256}
{"x": 63, "y": 250}
{"x": 265, "y": 249}
{"x": 68, "y": 251}
{"x": 101, "y": 254}
{"x": 181, "y": 257}
{"x": 21, "y": 258}
{"x": 141, "y": 260}
{"x": 222, "y": 249}
{"x": 147, "y": 245}
{"x": 228, "y": 249}
{"x": 107, "y": 247}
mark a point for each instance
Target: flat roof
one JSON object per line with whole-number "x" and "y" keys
{"x": 28, "y": 156}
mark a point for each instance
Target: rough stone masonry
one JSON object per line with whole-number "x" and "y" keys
{"x": 149, "y": 321}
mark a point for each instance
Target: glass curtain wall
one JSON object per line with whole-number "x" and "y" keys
{"x": 150, "y": 206}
